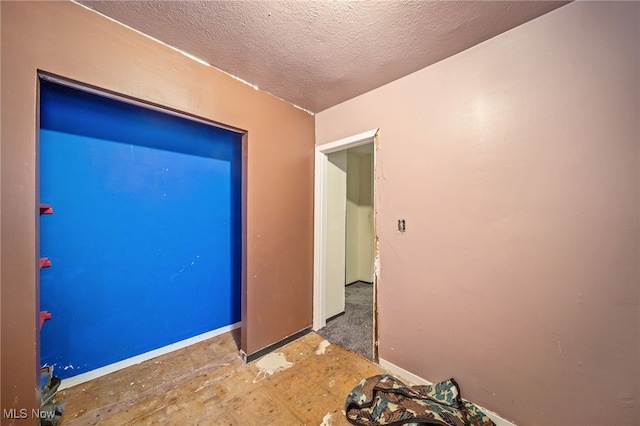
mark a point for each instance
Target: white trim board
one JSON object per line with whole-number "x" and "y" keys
{"x": 107, "y": 369}
{"x": 412, "y": 378}
{"x": 349, "y": 142}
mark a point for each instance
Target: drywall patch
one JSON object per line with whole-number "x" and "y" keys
{"x": 322, "y": 347}
{"x": 271, "y": 363}
{"x": 326, "y": 420}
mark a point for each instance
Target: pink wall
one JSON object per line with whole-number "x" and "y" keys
{"x": 515, "y": 166}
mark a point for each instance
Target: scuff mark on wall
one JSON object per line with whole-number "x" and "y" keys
{"x": 193, "y": 262}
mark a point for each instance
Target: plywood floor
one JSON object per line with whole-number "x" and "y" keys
{"x": 209, "y": 384}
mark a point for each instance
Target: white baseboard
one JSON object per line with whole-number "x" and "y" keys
{"x": 402, "y": 373}
{"x": 417, "y": 380}
{"x": 107, "y": 369}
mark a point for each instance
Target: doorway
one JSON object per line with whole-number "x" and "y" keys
{"x": 344, "y": 252}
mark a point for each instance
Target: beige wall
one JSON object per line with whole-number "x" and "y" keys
{"x": 515, "y": 166}
{"x": 359, "y": 244}
{"x": 336, "y": 232}
{"x": 66, "y": 39}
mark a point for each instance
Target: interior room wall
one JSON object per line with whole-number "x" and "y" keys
{"x": 359, "y": 244}
{"x": 366, "y": 231}
{"x": 66, "y": 39}
{"x": 515, "y": 166}
{"x": 353, "y": 218}
{"x": 336, "y": 232}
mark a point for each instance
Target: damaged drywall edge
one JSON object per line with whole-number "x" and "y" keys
{"x": 376, "y": 261}
{"x": 379, "y": 168}
{"x": 192, "y": 57}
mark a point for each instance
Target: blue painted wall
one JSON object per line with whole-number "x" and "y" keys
{"x": 145, "y": 239}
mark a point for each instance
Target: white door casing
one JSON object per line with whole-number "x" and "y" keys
{"x": 320, "y": 219}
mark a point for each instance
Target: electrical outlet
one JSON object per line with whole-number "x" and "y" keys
{"x": 401, "y": 226}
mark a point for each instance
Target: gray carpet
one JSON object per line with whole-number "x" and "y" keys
{"x": 354, "y": 329}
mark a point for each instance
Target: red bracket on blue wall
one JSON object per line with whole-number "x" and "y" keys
{"x": 44, "y": 262}
{"x": 46, "y": 209}
{"x": 44, "y": 315}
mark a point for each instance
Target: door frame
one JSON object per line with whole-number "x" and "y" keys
{"x": 320, "y": 222}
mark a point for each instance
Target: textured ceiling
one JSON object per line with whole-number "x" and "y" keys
{"x": 316, "y": 54}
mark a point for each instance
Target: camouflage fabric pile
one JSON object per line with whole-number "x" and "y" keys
{"x": 385, "y": 400}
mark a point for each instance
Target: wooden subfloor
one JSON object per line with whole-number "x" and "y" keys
{"x": 209, "y": 384}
